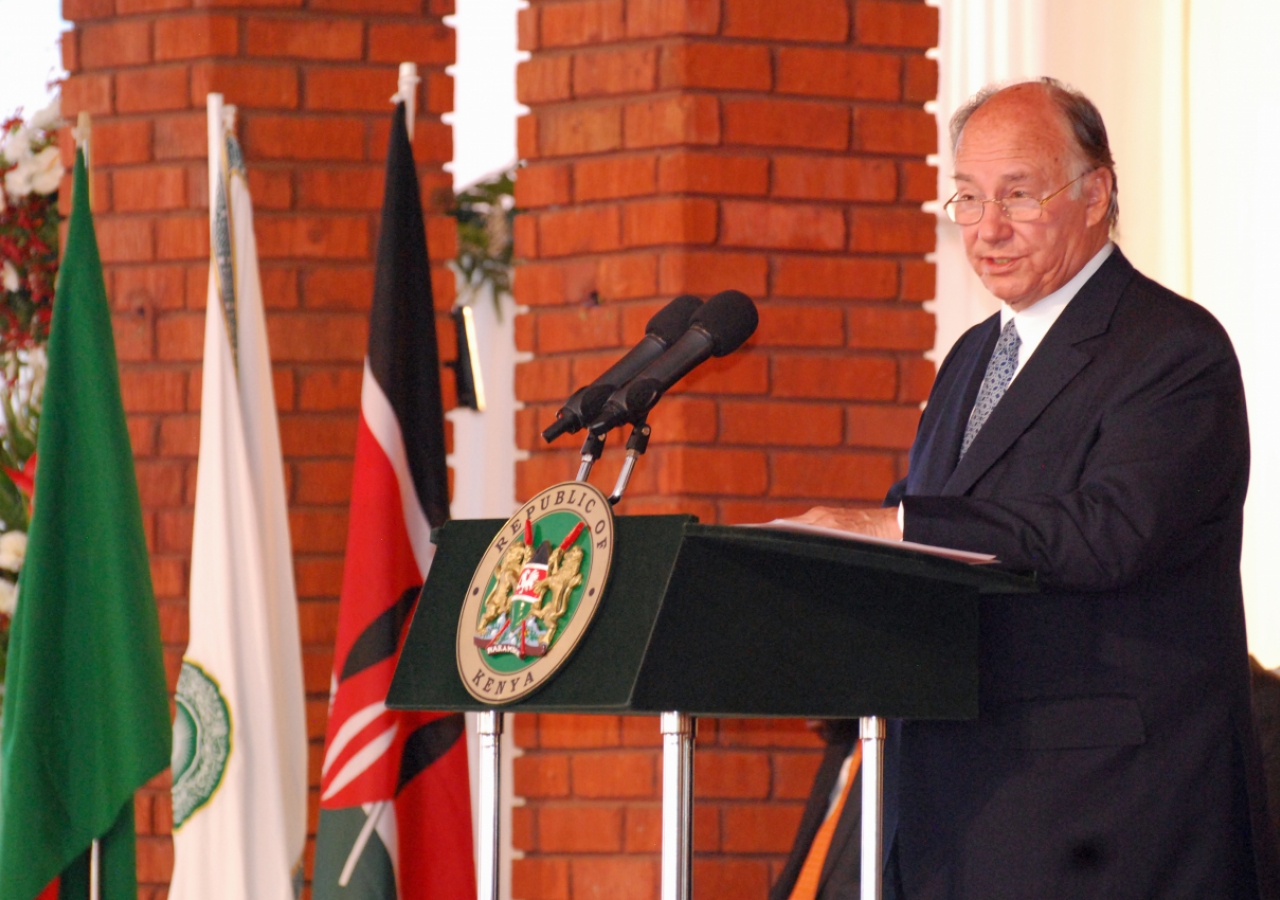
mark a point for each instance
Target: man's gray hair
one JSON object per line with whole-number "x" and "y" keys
{"x": 1081, "y": 116}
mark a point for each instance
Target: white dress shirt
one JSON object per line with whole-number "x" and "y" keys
{"x": 1034, "y": 322}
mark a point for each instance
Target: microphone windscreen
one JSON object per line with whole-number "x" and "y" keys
{"x": 729, "y": 318}
{"x": 670, "y": 322}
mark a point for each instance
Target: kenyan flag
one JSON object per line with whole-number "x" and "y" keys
{"x": 395, "y": 801}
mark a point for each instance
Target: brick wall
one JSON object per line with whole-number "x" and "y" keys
{"x": 697, "y": 145}
{"x": 311, "y": 79}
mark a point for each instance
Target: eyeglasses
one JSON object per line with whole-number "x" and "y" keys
{"x": 968, "y": 211}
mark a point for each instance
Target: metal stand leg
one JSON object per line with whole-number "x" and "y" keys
{"x": 677, "y": 805}
{"x": 872, "y": 732}
{"x": 489, "y": 728}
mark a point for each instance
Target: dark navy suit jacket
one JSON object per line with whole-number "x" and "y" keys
{"x": 1114, "y": 756}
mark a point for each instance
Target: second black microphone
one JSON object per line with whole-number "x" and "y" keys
{"x": 719, "y": 327}
{"x": 663, "y": 330}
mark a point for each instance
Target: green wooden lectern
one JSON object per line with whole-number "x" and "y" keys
{"x": 710, "y": 620}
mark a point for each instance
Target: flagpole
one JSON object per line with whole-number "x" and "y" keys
{"x": 95, "y": 870}
{"x": 81, "y": 133}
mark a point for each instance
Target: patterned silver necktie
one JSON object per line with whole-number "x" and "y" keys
{"x": 1004, "y": 362}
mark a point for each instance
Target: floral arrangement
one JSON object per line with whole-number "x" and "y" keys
{"x": 30, "y": 172}
{"x": 31, "y": 164}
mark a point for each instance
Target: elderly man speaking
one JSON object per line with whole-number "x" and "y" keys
{"x": 1093, "y": 432}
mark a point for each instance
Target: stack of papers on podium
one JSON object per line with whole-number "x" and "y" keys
{"x": 965, "y": 556}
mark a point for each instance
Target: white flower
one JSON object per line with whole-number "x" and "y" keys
{"x": 8, "y": 597}
{"x": 17, "y": 145}
{"x": 17, "y": 181}
{"x": 41, "y": 173}
{"x": 9, "y": 277}
{"x": 13, "y": 549}
{"x": 49, "y": 117}
{"x": 46, "y": 172}
{"x": 28, "y": 393}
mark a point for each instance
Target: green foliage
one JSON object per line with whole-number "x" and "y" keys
{"x": 13, "y": 505}
{"x": 484, "y": 213}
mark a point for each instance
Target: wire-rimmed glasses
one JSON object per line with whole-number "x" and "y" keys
{"x": 969, "y": 210}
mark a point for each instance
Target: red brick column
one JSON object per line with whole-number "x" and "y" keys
{"x": 311, "y": 80}
{"x": 697, "y": 145}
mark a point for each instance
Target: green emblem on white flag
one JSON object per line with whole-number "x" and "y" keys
{"x": 201, "y": 741}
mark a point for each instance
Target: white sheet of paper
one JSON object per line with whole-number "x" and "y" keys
{"x": 966, "y": 556}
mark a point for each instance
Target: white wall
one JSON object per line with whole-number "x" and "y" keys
{"x": 484, "y": 443}
{"x": 485, "y": 108}
{"x": 484, "y": 452}
{"x": 1234, "y": 103}
{"x": 30, "y": 57}
{"x": 1129, "y": 58}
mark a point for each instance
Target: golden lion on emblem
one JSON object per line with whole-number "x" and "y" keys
{"x": 563, "y": 575}
{"x": 498, "y": 600}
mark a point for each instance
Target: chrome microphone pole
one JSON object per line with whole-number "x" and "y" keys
{"x": 592, "y": 447}
{"x": 636, "y": 445}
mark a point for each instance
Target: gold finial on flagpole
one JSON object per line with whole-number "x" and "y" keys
{"x": 81, "y": 131}
{"x": 407, "y": 90}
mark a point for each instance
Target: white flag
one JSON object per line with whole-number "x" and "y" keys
{"x": 240, "y": 744}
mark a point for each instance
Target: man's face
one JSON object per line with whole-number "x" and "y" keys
{"x": 1016, "y": 145}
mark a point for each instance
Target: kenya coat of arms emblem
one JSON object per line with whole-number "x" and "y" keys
{"x": 535, "y": 591}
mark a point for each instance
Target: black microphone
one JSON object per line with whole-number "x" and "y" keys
{"x": 663, "y": 330}
{"x": 721, "y": 326}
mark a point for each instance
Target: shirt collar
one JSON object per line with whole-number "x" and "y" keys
{"x": 1039, "y": 316}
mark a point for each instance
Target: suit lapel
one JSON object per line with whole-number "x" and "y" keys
{"x": 934, "y": 458}
{"x": 1054, "y": 365}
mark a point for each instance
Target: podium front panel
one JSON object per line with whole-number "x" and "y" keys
{"x": 601, "y": 673}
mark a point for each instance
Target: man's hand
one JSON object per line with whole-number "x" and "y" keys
{"x": 878, "y": 522}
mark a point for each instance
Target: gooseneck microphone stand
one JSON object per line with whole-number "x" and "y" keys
{"x": 592, "y": 447}
{"x": 636, "y": 445}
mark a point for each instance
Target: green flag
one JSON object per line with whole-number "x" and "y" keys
{"x": 86, "y": 718}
